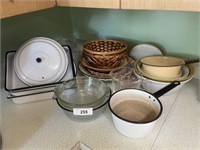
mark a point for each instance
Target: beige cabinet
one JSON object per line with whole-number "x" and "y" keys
{"x": 15, "y": 7}
{"x": 179, "y": 5}
{"x": 112, "y": 4}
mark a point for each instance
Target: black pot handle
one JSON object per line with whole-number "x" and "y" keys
{"x": 166, "y": 89}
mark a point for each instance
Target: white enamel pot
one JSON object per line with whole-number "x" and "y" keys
{"x": 137, "y": 129}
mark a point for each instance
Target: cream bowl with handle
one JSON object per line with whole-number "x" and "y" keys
{"x": 162, "y": 66}
{"x": 152, "y": 84}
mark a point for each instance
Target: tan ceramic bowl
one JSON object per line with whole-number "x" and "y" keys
{"x": 162, "y": 66}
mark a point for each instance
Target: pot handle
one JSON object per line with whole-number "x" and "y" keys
{"x": 189, "y": 61}
{"x": 166, "y": 89}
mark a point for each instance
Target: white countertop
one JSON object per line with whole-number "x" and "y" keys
{"x": 43, "y": 125}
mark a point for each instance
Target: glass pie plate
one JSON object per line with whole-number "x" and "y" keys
{"x": 82, "y": 98}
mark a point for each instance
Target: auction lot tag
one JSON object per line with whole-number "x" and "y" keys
{"x": 82, "y": 111}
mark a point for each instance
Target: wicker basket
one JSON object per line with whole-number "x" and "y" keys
{"x": 104, "y": 53}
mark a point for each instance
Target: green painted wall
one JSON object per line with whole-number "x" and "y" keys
{"x": 176, "y": 33}
{"x": 54, "y": 23}
{"x": 173, "y": 32}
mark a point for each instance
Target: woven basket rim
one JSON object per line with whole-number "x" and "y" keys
{"x": 104, "y": 53}
{"x": 84, "y": 62}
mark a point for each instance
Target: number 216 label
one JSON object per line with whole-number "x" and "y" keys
{"x": 82, "y": 111}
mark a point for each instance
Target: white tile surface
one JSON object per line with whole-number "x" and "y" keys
{"x": 182, "y": 127}
{"x": 197, "y": 70}
{"x": 43, "y": 125}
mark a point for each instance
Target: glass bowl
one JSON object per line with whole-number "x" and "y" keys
{"x": 81, "y": 97}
